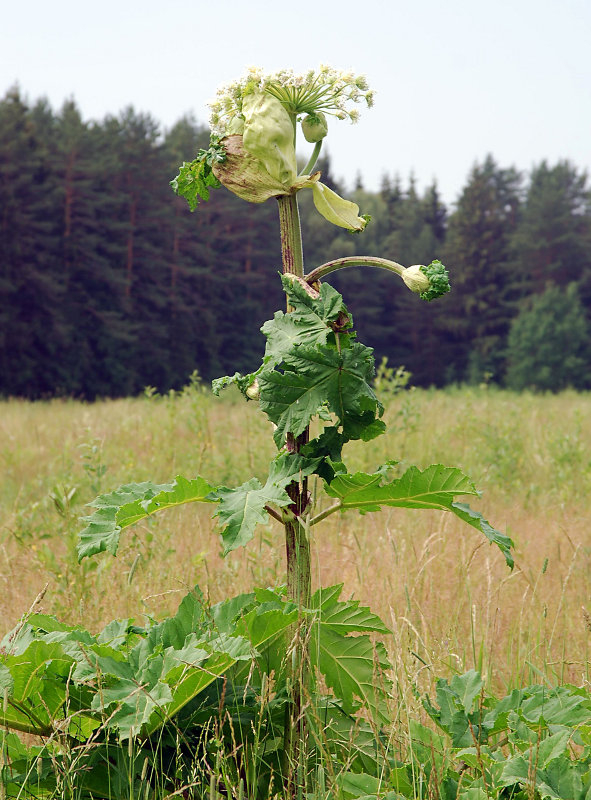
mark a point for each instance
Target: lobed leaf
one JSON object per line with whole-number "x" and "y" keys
{"x": 433, "y": 488}
{"x": 345, "y": 617}
{"x": 240, "y": 510}
{"x": 352, "y": 666}
{"x": 196, "y": 177}
{"x": 130, "y": 504}
{"x": 314, "y": 378}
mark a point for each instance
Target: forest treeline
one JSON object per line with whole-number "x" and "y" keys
{"x": 108, "y": 283}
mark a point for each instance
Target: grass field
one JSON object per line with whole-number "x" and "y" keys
{"x": 449, "y": 598}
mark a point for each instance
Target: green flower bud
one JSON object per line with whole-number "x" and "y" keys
{"x": 315, "y": 127}
{"x": 428, "y": 282}
{"x": 415, "y": 279}
{"x": 253, "y": 392}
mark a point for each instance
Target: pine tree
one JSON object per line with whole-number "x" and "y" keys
{"x": 553, "y": 239}
{"x": 32, "y": 333}
{"x": 479, "y": 253}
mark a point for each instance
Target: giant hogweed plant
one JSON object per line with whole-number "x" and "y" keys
{"x": 230, "y": 696}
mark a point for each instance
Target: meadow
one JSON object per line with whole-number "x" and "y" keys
{"x": 449, "y": 598}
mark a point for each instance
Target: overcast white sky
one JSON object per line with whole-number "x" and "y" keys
{"x": 455, "y": 79}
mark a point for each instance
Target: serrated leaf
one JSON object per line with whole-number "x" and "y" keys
{"x": 242, "y": 382}
{"x": 466, "y": 688}
{"x": 288, "y": 468}
{"x": 475, "y": 518}
{"x": 196, "y": 177}
{"x": 181, "y": 491}
{"x": 555, "y": 706}
{"x": 37, "y": 680}
{"x": 242, "y": 509}
{"x": 345, "y": 616}
{"x": 130, "y": 504}
{"x": 352, "y": 666}
{"x": 314, "y": 377}
{"x": 433, "y": 488}
{"x": 454, "y": 713}
{"x": 328, "y": 306}
{"x": 288, "y": 331}
{"x": 552, "y": 747}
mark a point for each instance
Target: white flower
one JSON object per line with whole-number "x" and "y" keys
{"x": 325, "y": 90}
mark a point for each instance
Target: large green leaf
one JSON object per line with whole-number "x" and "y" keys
{"x": 36, "y": 682}
{"x": 287, "y": 331}
{"x": 352, "y": 666}
{"x": 240, "y": 510}
{"x": 310, "y": 322}
{"x": 328, "y": 306}
{"x": 454, "y": 713}
{"x": 315, "y": 378}
{"x": 435, "y": 487}
{"x": 130, "y": 504}
{"x": 345, "y": 616}
{"x": 131, "y": 679}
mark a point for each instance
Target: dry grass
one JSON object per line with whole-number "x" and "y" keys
{"x": 449, "y": 597}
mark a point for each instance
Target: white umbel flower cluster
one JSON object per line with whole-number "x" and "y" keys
{"x": 326, "y": 90}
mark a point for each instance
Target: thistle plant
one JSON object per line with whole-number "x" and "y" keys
{"x": 315, "y": 385}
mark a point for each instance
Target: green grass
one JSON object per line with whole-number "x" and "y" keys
{"x": 449, "y": 598}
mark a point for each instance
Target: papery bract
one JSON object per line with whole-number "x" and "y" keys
{"x": 269, "y": 136}
{"x": 335, "y": 209}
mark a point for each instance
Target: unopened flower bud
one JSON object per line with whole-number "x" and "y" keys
{"x": 415, "y": 279}
{"x": 314, "y": 127}
{"x": 253, "y": 392}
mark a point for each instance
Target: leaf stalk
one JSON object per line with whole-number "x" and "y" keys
{"x": 326, "y": 513}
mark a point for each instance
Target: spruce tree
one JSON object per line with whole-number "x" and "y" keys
{"x": 32, "y": 333}
{"x": 479, "y": 246}
{"x": 553, "y": 239}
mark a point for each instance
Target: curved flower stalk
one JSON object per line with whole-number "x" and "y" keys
{"x": 429, "y": 282}
{"x": 254, "y": 124}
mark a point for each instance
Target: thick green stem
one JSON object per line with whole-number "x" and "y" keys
{"x": 353, "y": 261}
{"x": 297, "y": 545}
{"x": 296, "y": 541}
{"x": 292, "y": 254}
